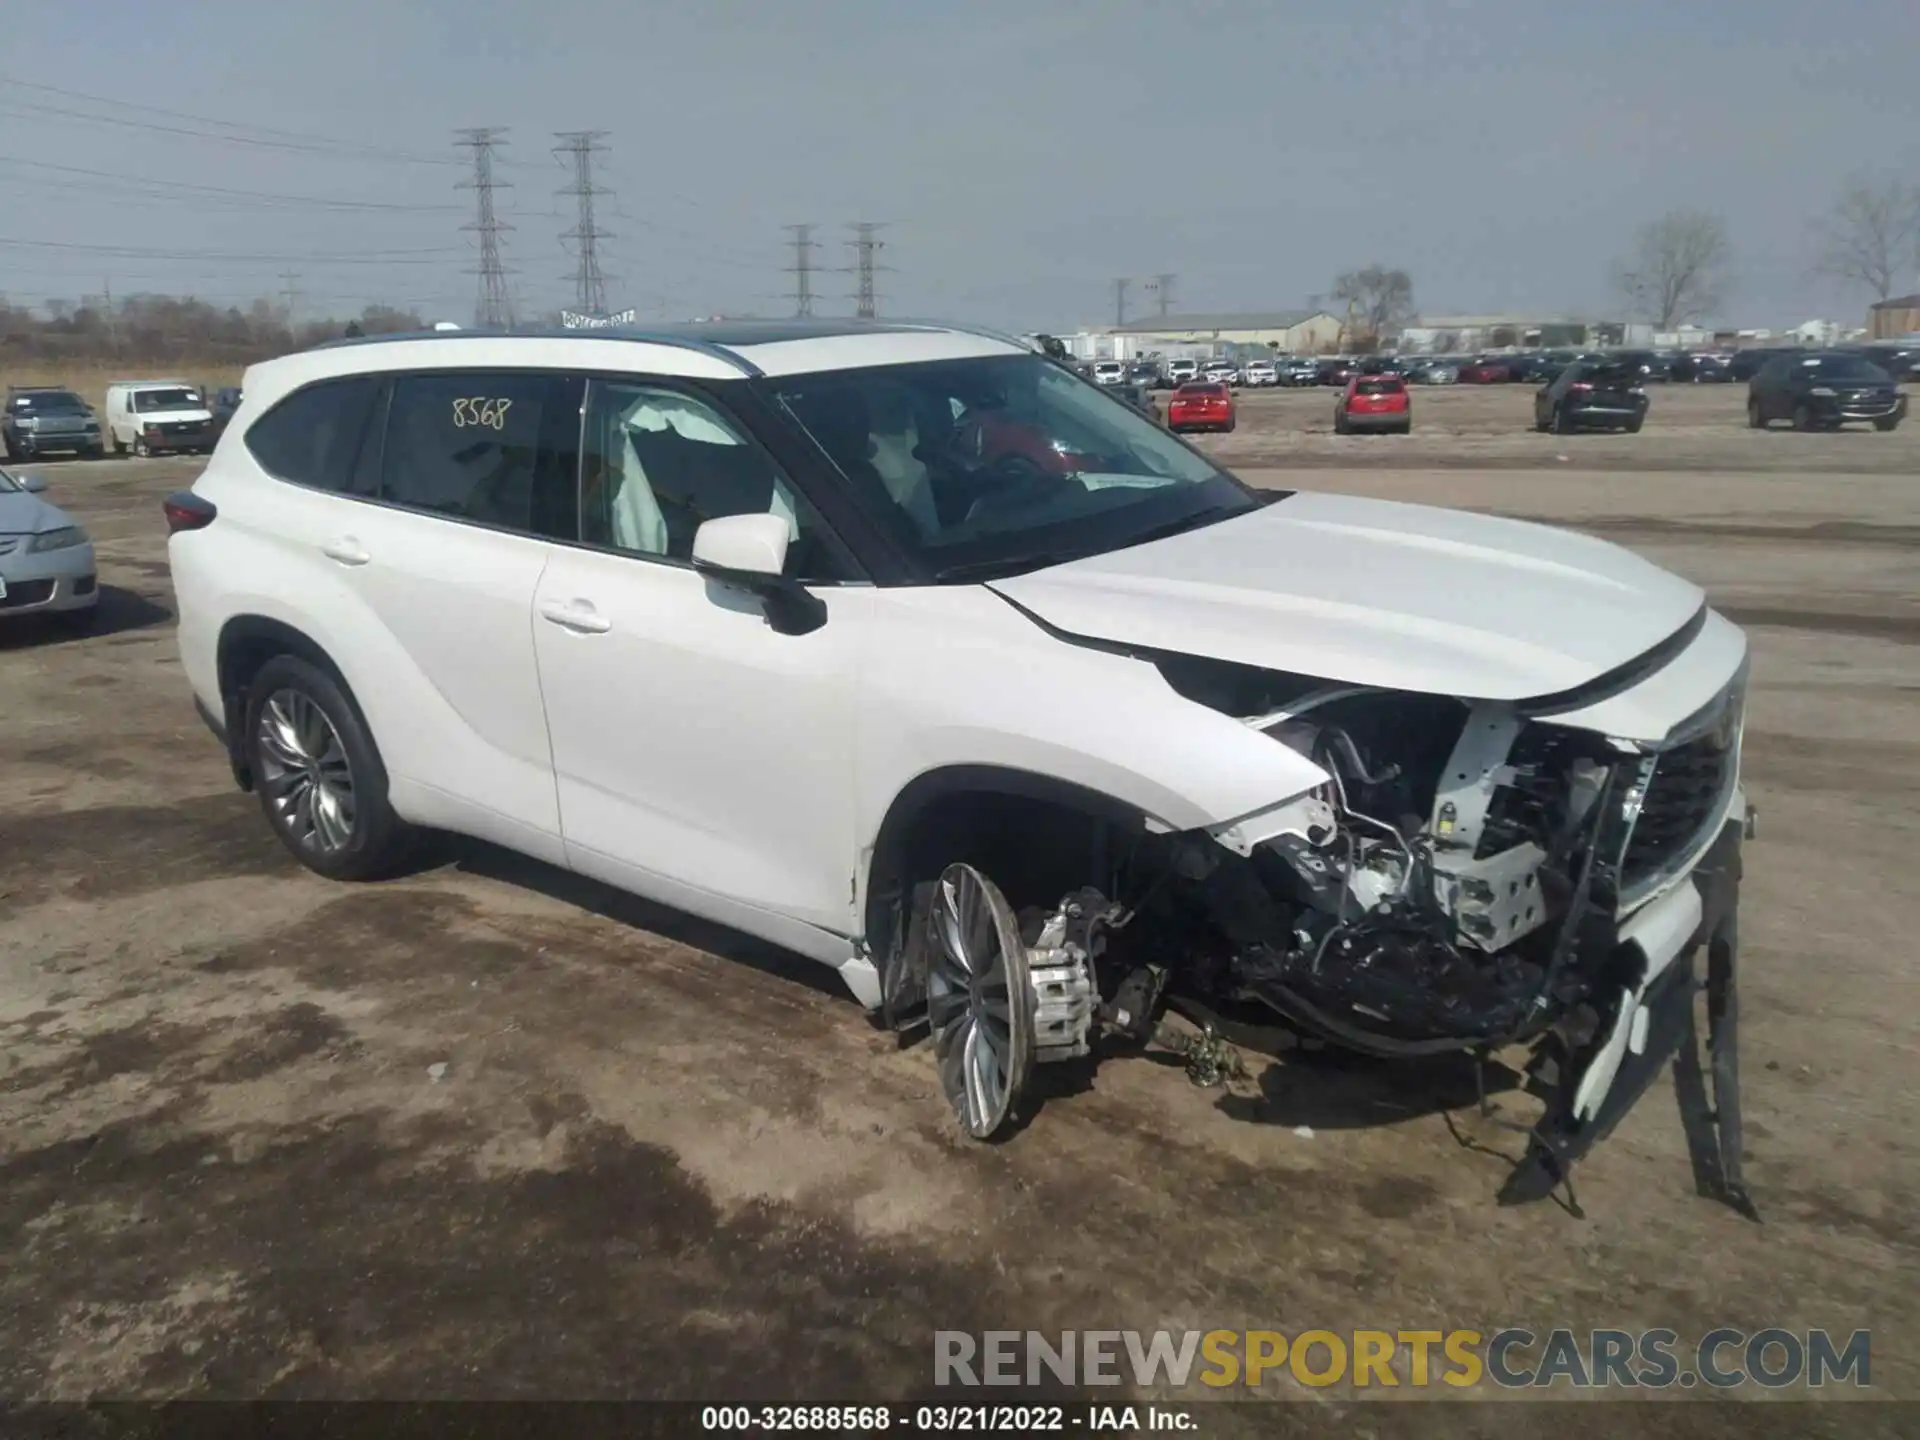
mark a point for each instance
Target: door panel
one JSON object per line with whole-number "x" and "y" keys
{"x": 693, "y": 743}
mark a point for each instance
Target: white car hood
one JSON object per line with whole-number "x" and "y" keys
{"x": 1372, "y": 592}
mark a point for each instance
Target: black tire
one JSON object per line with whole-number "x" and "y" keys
{"x": 140, "y": 447}
{"x": 1891, "y": 422}
{"x": 378, "y": 840}
{"x": 1802, "y": 418}
{"x": 1754, "y": 422}
{"x": 1633, "y": 427}
{"x": 1405, "y": 429}
{"x": 118, "y": 448}
{"x": 1562, "y": 421}
{"x": 1229, "y": 426}
{"x": 1340, "y": 426}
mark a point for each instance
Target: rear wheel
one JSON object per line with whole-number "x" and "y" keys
{"x": 1754, "y": 419}
{"x": 1802, "y": 418}
{"x": 1891, "y": 422}
{"x": 1340, "y": 426}
{"x": 1633, "y": 427}
{"x": 318, "y": 774}
{"x": 1562, "y": 420}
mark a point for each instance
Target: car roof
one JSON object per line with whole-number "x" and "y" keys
{"x": 711, "y": 349}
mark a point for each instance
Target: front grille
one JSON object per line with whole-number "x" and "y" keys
{"x": 1682, "y": 798}
{"x": 26, "y": 592}
{"x": 184, "y": 427}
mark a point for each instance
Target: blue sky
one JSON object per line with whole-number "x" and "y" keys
{"x": 1022, "y": 154}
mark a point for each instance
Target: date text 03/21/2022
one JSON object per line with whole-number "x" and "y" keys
{"x": 947, "y": 1419}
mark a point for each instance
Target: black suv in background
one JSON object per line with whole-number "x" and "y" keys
{"x": 1823, "y": 390}
{"x": 1653, "y": 370}
{"x": 46, "y": 420}
{"x": 1592, "y": 395}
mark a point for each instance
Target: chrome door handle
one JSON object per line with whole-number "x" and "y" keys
{"x": 576, "y": 615}
{"x": 346, "y": 550}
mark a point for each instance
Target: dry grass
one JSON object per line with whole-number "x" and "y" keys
{"x": 90, "y": 378}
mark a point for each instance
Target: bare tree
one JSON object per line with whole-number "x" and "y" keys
{"x": 1872, "y": 238}
{"x": 1377, "y": 300}
{"x": 1677, "y": 271}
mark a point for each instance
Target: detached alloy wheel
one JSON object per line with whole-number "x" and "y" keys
{"x": 318, "y": 775}
{"x": 979, "y": 1000}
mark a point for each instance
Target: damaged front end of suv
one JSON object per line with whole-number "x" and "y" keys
{"x": 1471, "y": 877}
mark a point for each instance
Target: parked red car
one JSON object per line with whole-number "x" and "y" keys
{"x": 1207, "y": 406}
{"x": 1482, "y": 371}
{"x": 1373, "y": 402}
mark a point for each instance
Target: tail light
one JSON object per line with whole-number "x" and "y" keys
{"x": 187, "y": 511}
{"x": 1579, "y": 385}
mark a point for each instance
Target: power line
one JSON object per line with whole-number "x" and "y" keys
{"x": 802, "y": 269}
{"x": 290, "y": 292}
{"x": 169, "y": 187}
{"x": 265, "y": 135}
{"x": 865, "y": 250}
{"x": 494, "y": 309}
{"x": 590, "y": 285}
{"x": 135, "y": 252}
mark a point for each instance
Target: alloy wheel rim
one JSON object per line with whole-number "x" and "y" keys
{"x": 305, "y": 773}
{"x": 978, "y": 1000}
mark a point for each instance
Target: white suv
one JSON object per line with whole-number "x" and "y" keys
{"x": 908, "y": 649}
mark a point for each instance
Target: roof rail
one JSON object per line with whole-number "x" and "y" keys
{"x": 642, "y": 337}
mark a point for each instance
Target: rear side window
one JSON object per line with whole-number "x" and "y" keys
{"x": 466, "y": 445}
{"x": 314, "y": 436}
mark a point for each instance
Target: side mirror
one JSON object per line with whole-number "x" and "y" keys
{"x": 750, "y": 551}
{"x": 32, "y": 484}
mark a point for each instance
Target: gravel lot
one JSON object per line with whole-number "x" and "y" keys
{"x": 662, "y": 1160}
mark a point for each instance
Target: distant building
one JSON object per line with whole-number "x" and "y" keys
{"x": 1894, "y": 319}
{"x": 1285, "y": 332}
{"x": 1458, "y": 334}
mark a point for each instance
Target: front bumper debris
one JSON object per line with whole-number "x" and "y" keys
{"x": 1662, "y": 1026}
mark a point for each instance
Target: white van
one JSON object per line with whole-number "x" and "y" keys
{"x": 152, "y": 417}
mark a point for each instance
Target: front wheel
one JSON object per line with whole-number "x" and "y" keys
{"x": 140, "y": 447}
{"x": 1802, "y": 418}
{"x": 980, "y": 1001}
{"x": 1891, "y": 422}
{"x": 318, "y": 774}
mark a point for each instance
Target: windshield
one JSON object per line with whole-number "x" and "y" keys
{"x": 51, "y": 402}
{"x": 1006, "y": 462}
{"x": 1845, "y": 367}
{"x": 144, "y": 400}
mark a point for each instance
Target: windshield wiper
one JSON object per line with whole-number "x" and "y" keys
{"x": 997, "y": 569}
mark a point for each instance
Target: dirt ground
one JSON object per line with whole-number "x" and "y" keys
{"x": 664, "y": 1161}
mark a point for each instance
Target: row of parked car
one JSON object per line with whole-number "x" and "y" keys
{"x": 1812, "y": 390}
{"x": 142, "y": 417}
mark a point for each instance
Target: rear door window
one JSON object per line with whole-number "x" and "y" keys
{"x": 468, "y": 445}
{"x": 314, "y": 437}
